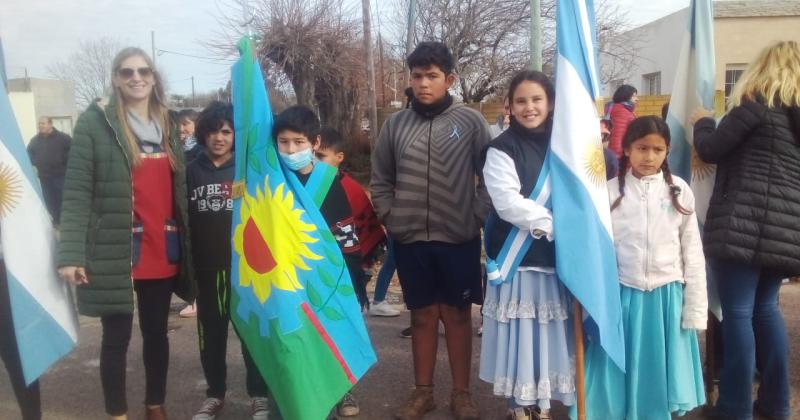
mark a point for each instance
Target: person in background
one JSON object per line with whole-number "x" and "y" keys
{"x": 49, "y": 150}
{"x": 612, "y": 163}
{"x": 187, "y": 118}
{"x": 501, "y": 124}
{"x": 621, "y": 113}
{"x": 331, "y": 150}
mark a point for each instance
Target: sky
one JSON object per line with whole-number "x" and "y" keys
{"x": 38, "y": 32}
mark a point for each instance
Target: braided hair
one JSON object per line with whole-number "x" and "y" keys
{"x": 639, "y": 128}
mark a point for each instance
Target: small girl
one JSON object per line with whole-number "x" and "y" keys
{"x": 527, "y": 343}
{"x": 663, "y": 293}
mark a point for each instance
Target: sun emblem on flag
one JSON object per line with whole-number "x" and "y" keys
{"x": 272, "y": 242}
{"x": 10, "y": 189}
{"x": 594, "y": 162}
{"x": 700, "y": 169}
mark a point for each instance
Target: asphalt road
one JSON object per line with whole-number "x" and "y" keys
{"x": 71, "y": 389}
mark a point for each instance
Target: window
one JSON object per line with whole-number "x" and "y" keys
{"x": 651, "y": 84}
{"x": 732, "y": 74}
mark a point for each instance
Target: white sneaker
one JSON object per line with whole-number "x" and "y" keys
{"x": 209, "y": 410}
{"x": 259, "y": 408}
{"x": 383, "y": 308}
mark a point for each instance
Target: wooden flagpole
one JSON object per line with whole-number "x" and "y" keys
{"x": 580, "y": 385}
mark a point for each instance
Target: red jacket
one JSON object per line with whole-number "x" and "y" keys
{"x": 621, "y": 117}
{"x": 368, "y": 228}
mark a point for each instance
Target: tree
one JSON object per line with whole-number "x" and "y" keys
{"x": 315, "y": 46}
{"x": 490, "y": 40}
{"x": 89, "y": 68}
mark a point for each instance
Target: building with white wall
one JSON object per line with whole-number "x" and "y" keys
{"x": 741, "y": 30}
{"x": 51, "y": 98}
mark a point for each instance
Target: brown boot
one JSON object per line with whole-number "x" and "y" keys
{"x": 419, "y": 403}
{"x": 462, "y": 406}
{"x": 155, "y": 413}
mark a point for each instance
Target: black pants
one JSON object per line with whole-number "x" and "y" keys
{"x": 213, "y": 316}
{"x": 52, "y": 190}
{"x": 153, "y": 299}
{"x": 27, "y": 396}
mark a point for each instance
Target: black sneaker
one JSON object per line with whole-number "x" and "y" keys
{"x": 406, "y": 333}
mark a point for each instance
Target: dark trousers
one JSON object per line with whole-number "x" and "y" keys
{"x": 213, "y": 316}
{"x": 28, "y": 397}
{"x": 752, "y": 327}
{"x": 52, "y": 189}
{"x": 153, "y": 299}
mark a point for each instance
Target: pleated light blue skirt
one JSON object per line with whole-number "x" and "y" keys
{"x": 663, "y": 365}
{"x": 527, "y": 349}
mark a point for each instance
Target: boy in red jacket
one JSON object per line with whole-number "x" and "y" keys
{"x": 331, "y": 150}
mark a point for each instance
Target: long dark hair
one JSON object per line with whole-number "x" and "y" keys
{"x": 638, "y": 129}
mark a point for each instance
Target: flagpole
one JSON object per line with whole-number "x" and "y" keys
{"x": 580, "y": 385}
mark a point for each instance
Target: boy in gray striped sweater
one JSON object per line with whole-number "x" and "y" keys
{"x": 426, "y": 190}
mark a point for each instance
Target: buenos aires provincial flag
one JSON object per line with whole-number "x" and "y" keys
{"x": 45, "y": 322}
{"x": 693, "y": 89}
{"x": 292, "y": 299}
{"x": 585, "y": 258}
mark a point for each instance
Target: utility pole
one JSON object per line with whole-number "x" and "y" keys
{"x": 380, "y": 51}
{"x": 410, "y": 26}
{"x": 192, "y": 89}
{"x": 536, "y": 35}
{"x": 373, "y": 110}
{"x": 153, "y": 46}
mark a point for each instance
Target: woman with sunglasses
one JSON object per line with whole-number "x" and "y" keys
{"x": 123, "y": 227}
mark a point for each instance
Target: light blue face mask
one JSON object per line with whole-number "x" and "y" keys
{"x": 297, "y": 160}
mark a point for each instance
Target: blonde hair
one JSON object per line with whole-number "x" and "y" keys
{"x": 157, "y": 108}
{"x": 774, "y": 77}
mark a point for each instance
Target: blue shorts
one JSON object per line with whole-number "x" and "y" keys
{"x": 439, "y": 272}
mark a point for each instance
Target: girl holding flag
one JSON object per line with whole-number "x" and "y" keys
{"x": 662, "y": 274}
{"x": 527, "y": 343}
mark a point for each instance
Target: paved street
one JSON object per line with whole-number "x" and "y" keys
{"x": 71, "y": 390}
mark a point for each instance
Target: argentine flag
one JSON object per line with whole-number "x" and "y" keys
{"x": 693, "y": 89}
{"x": 585, "y": 258}
{"x": 45, "y": 322}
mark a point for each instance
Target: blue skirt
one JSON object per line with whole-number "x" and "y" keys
{"x": 662, "y": 362}
{"x": 527, "y": 349}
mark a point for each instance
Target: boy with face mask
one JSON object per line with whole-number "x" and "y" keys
{"x": 297, "y": 133}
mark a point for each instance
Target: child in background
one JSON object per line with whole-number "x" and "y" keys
{"x": 297, "y": 134}
{"x": 662, "y": 272}
{"x": 527, "y": 348}
{"x": 331, "y": 150}
{"x": 187, "y": 118}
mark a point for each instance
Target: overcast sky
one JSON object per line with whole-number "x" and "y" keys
{"x": 37, "y": 32}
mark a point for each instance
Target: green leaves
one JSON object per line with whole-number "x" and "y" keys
{"x": 332, "y": 314}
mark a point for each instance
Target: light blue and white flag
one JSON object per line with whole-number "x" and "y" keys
{"x": 693, "y": 89}
{"x": 45, "y": 322}
{"x": 585, "y": 259}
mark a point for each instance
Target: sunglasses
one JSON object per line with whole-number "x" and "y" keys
{"x": 127, "y": 73}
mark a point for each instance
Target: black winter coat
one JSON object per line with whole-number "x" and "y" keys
{"x": 754, "y": 214}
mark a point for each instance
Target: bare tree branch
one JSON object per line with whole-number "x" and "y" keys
{"x": 89, "y": 68}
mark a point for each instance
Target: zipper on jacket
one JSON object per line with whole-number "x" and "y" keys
{"x": 428, "y": 185}
{"x": 646, "y": 233}
{"x": 130, "y": 171}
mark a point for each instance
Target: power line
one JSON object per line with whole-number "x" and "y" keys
{"x": 219, "y": 60}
